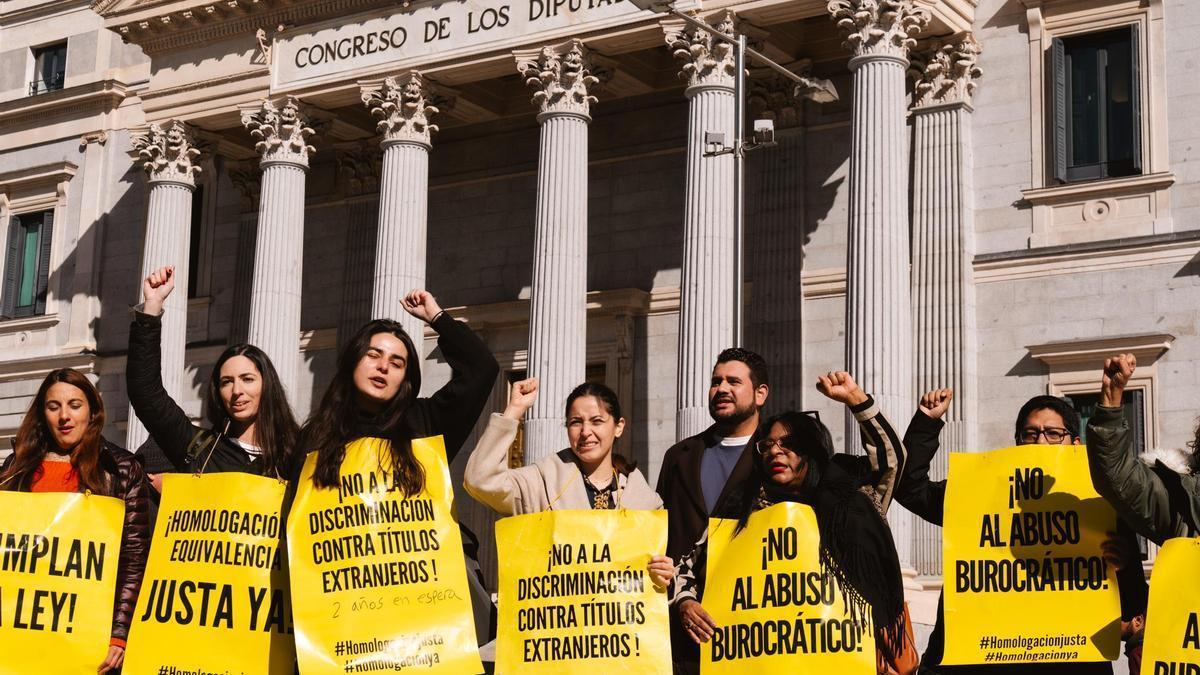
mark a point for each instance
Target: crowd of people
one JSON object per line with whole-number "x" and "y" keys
{"x": 744, "y": 462}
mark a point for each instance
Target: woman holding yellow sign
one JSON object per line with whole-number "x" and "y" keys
{"x": 794, "y": 464}
{"x": 58, "y": 448}
{"x": 586, "y": 475}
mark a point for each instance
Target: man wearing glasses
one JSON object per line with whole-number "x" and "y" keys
{"x": 1048, "y": 420}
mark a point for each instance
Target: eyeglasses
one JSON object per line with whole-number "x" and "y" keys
{"x": 1053, "y": 435}
{"x": 766, "y": 445}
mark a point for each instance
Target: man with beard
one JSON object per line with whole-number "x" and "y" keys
{"x": 701, "y": 472}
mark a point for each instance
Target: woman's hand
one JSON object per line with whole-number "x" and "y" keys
{"x": 116, "y": 656}
{"x": 839, "y": 386}
{"x": 698, "y": 624}
{"x": 520, "y": 398}
{"x": 662, "y": 570}
{"x": 156, "y": 288}
{"x": 1117, "y": 372}
{"x": 421, "y": 304}
{"x": 935, "y": 403}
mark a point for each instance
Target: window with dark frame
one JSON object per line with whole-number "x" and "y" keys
{"x": 27, "y": 264}
{"x": 49, "y": 68}
{"x": 196, "y": 232}
{"x": 1096, "y": 97}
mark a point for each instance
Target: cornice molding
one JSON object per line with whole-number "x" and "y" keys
{"x": 85, "y": 99}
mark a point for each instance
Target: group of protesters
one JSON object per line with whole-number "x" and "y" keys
{"x": 743, "y": 463}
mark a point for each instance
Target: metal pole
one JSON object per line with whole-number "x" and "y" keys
{"x": 739, "y": 178}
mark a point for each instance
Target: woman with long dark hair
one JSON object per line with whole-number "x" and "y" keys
{"x": 58, "y": 448}
{"x": 794, "y": 463}
{"x": 374, "y": 394}
{"x": 250, "y": 424}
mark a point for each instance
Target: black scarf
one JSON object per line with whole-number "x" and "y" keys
{"x": 856, "y": 549}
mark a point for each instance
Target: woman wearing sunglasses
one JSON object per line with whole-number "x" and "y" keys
{"x": 795, "y": 462}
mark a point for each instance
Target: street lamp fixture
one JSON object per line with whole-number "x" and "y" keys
{"x": 821, "y": 91}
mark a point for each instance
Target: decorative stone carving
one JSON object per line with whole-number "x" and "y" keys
{"x": 404, "y": 104}
{"x": 947, "y": 72}
{"x": 358, "y": 168}
{"x": 247, "y": 179}
{"x": 168, "y": 153}
{"x": 562, "y": 77}
{"x": 879, "y": 27}
{"x": 707, "y": 59}
{"x": 280, "y": 131}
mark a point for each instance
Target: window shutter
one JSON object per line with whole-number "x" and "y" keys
{"x": 1058, "y": 112}
{"x": 1135, "y": 88}
{"x": 10, "y": 266}
{"x": 45, "y": 238}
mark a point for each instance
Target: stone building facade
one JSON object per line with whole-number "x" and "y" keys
{"x": 1003, "y": 192}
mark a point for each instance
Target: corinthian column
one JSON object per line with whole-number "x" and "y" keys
{"x": 878, "y": 301}
{"x": 281, "y": 131}
{"x": 562, "y": 80}
{"x": 943, "y": 247}
{"x": 403, "y": 105}
{"x": 706, "y": 290}
{"x": 169, "y": 156}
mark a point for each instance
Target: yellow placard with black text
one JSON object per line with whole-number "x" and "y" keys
{"x": 575, "y": 595}
{"x": 58, "y": 576}
{"x": 1172, "y": 645}
{"x": 1025, "y": 578}
{"x": 379, "y": 581}
{"x": 216, "y": 575}
{"x": 775, "y": 610}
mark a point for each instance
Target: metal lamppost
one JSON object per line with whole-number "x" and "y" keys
{"x": 821, "y": 91}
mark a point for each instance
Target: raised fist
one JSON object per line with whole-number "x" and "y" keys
{"x": 421, "y": 304}
{"x": 1117, "y": 371}
{"x": 521, "y": 398}
{"x": 935, "y": 403}
{"x": 156, "y": 288}
{"x": 839, "y": 386}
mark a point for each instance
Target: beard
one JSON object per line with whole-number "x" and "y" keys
{"x": 739, "y": 414}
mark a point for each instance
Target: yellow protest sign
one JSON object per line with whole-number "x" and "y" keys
{"x": 378, "y": 579}
{"x": 216, "y": 574}
{"x": 58, "y": 576}
{"x": 776, "y": 611}
{"x": 1025, "y": 581}
{"x": 1172, "y": 644}
{"x": 575, "y": 596}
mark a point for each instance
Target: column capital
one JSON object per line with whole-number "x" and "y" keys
{"x": 358, "y": 167}
{"x": 247, "y": 179}
{"x": 707, "y": 59}
{"x": 403, "y": 103}
{"x": 168, "y": 153}
{"x": 563, "y": 77}
{"x": 945, "y": 74}
{"x": 878, "y": 28}
{"x": 280, "y": 131}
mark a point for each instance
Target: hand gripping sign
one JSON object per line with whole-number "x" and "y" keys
{"x": 1172, "y": 644}
{"x": 1025, "y": 580}
{"x": 776, "y": 611}
{"x": 216, "y": 576}
{"x": 58, "y": 579}
{"x": 575, "y": 596}
{"x": 379, "y": 582}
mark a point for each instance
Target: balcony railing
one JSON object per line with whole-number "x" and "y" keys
{"x": 44, "y": 85}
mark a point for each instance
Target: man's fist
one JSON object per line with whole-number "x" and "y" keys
{"x": 1117, "y": 371}
{"x": 935, "y": 403}
{"x": 839, "y": 386}
{"x": 421, "y": 304}
{"x": 156, "y": 288}
{"x": 521, "y": 398}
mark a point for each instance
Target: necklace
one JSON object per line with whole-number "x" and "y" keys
{"x": 601, "y": 496}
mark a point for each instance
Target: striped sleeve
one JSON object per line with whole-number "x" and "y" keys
{"x": 884, "y": 450}
{"x": 689, "y": 571}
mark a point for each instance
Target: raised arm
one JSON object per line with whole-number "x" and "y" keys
{"x": 488, "y": 477}
{"x": 167, "y": 423}
{"x": 915, "y": 491}
{"x": 1135, "y": 491}
{"x": 885, "y": 454}
{"x": 454, "y": 409}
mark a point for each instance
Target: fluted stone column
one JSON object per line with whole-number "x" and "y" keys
{"x": 403, "y": 105}
{"x": 169, "y": 156}
{"x": 706, "y": 289}
{"x": 562, "y": 79}
{"x": 878, "y": 298}
{"x": 943, "y": 247}
{"x": 281, "y": 132}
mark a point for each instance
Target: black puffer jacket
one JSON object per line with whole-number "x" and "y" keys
{"x": 126, "y": 481}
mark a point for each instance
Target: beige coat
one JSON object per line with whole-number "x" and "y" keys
{"x": 554, "y": 483}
